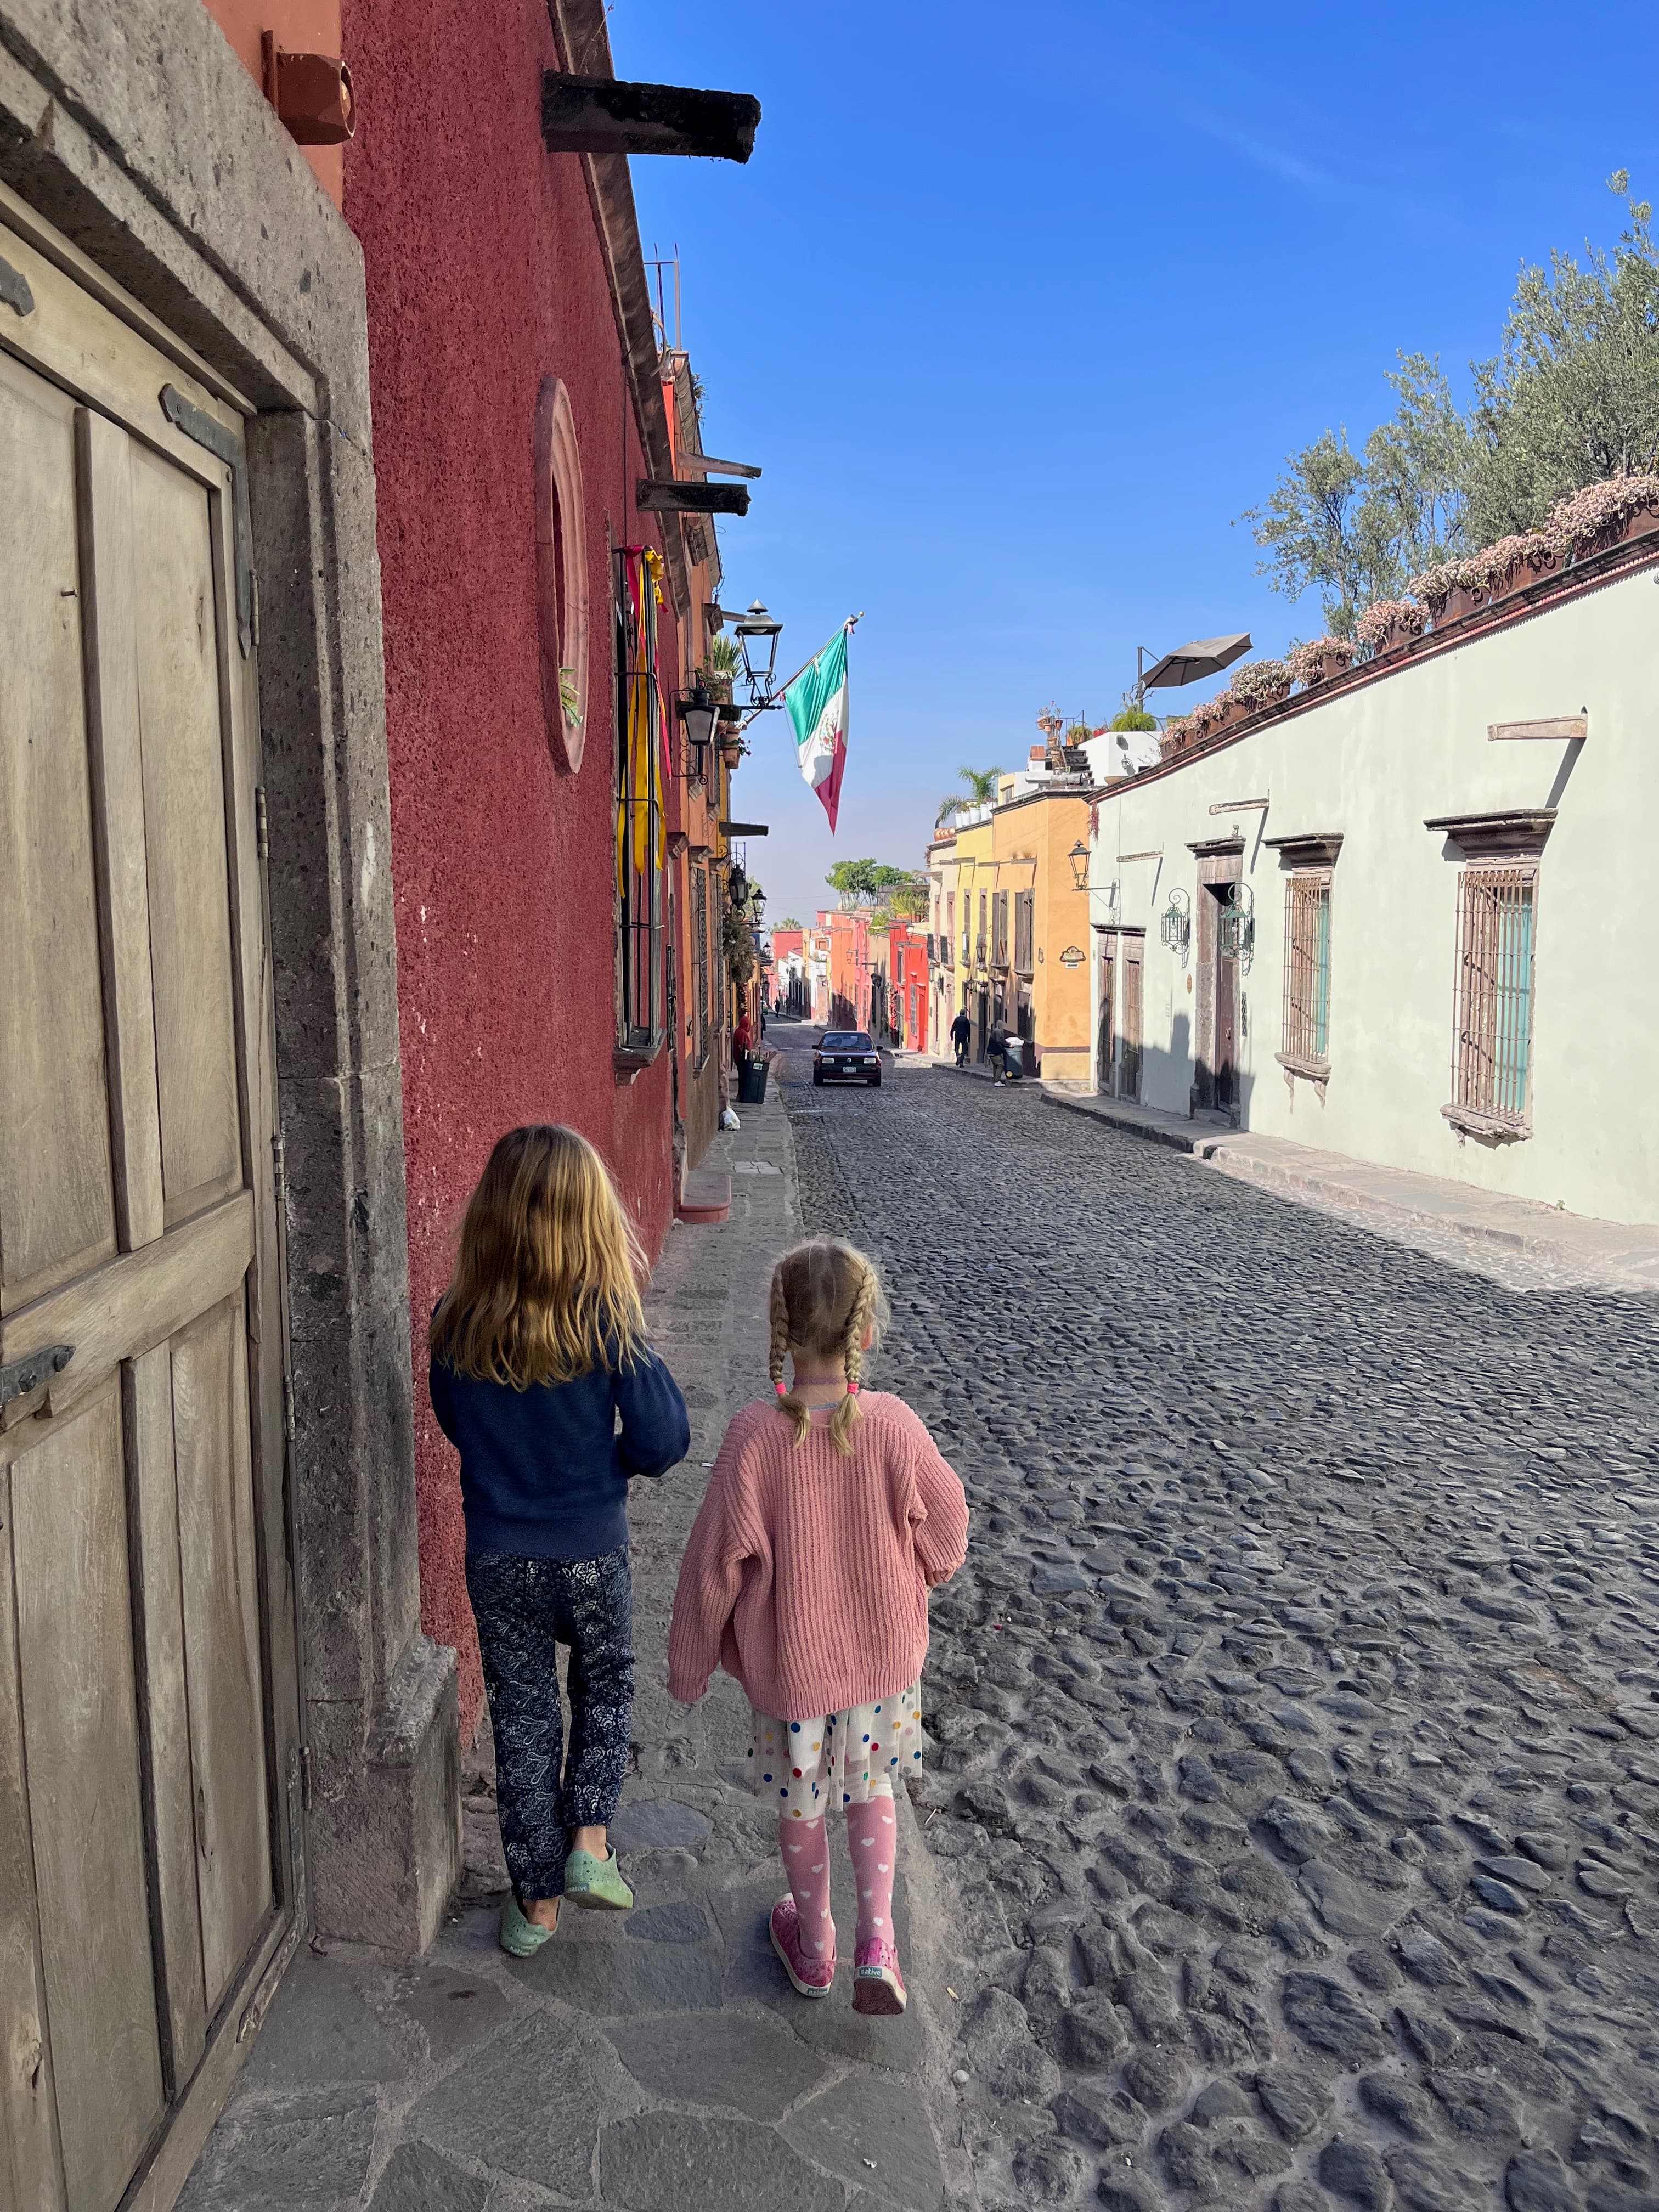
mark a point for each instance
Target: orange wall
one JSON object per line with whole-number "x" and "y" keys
{"x": 303, "y": 27}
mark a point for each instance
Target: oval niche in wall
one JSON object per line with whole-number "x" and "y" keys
{"x": 561, "y": 575}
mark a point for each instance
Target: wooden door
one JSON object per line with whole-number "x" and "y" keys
{"x": 1105, "y": 1033}
{"x": 1225, "y": 1030}
{"x": 140, "y": 1474}
{"x": 1128, "y": 1058}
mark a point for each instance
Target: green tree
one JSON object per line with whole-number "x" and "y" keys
{"x": 1354, "y": 527}
{"x": 789, "y": 921}
{"x": 1133, "y": 718}
{"x": 981, "y": 789}
{"x": 1573, "y": 395}
{"x": 855, "y": 881}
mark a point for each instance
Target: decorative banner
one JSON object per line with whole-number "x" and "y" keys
{"x": 637, "y": 815}
{"x": 817, "y": 702}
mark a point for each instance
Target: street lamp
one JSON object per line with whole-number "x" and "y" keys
{"x": 757, "y": 633}
{"x": 757, "y": 906}
{"x": 1078, "y": 857}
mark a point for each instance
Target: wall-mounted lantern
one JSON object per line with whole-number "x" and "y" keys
{"x": 1078, "y": 857}
{"x": 696, "y": 710}
{"x": 1235, "y": 934}
{"x": 1176, "y": 927}
{"x": 311, "y": 94}
{"x": 757, "y": 633}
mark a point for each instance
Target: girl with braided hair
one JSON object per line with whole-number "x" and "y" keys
{"x": 830, "y": 1516}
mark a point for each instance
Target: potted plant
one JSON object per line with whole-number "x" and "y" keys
{"x": 1258, "y": 683}
{"x": 1605, "y": 514}
{"x": 1319, "y": 661}
{"x": 1390, "y": 624}
{"x": 1516, "y": 562}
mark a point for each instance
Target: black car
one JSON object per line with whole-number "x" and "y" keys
{"x": 846, "y": 1056}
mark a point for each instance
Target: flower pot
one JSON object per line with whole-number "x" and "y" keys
{"x": 1642, "y": 524}
{"x": 1334, "y": 664}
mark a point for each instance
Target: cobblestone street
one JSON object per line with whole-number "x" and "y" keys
{"x": 1296, "y": 1719}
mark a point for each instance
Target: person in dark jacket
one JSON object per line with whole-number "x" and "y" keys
{"x": 543, "y": 1380}
{"x": 961, "y": 1029}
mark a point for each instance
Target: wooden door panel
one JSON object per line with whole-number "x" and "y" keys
{"x": 221, "y": 1636}
{"x": 31, "y": 2178}
{"x": 109, "y": 593}
{"x": 57, "y": 1214}
{"x": 80, "y": 1743}
{"x": 185, "y": 839}
{"x": 148, "y": 1415}
{"x": 1132, "y": 1019}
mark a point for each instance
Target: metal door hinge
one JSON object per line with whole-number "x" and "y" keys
{"x": 261, "y": 824}
{"x": 288, "y": 1409}
{"x": 305, "y": 1775}
{"x": 26, "y": 1375}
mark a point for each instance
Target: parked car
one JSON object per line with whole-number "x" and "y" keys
{"x": 847, "y": 1056}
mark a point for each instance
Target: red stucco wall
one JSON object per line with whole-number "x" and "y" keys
{"x": 484, "y": 275}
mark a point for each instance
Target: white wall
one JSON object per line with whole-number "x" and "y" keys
{"x": 1374, "y": 763}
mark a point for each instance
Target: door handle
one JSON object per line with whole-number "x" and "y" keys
{"x": 27, "y": 1374}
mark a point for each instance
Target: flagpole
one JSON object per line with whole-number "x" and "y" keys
{"x": 850, "y": 624}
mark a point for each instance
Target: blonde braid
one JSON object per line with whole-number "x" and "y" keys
{"x": 787, "y": 1401}
{"x": 864, "y": 1305}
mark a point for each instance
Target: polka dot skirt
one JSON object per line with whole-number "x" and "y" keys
{"x": 806, "y": 1767}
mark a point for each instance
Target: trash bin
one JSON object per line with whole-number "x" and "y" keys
{"x": 751, "y": 1082}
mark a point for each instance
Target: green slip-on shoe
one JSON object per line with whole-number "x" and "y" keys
{"x": 521, "y": 1938}
{"x": 596, "y": 1884}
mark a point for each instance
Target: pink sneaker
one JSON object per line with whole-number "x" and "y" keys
{"x": 878, "y": 1985}
{"x": 811, "y": 1977}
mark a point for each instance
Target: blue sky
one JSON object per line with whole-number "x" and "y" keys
{"x": 1019, "y": 308}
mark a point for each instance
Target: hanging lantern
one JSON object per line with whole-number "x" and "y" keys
{"x": 1176, "y": 927}
{"x": 1236, "y": 935}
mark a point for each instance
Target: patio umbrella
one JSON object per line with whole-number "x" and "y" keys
{"x": 1204, "y": 656}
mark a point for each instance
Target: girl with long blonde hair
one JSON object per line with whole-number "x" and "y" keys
{"x": 538, "y": 1346}
{"x": 830, "y": 1516}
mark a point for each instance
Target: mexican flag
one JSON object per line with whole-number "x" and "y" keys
{"x": 816, "y": 700}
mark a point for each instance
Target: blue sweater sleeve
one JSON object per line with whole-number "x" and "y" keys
{"x": 656, "y": 1430}
{"x": 442, "y": 1405}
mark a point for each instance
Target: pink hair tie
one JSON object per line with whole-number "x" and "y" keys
{"x": 851, "y": 1390}
{"x": 780, "y": 1389}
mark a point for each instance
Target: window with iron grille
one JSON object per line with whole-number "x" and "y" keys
{"x": 950, "y": 926}
{"x": 979, "y": 942}
{"x": 1306, "y": 1040}
{"x": 1025, "y": 930}
{"x": 640, "y": 827}
{"x": 999, "y": 929}
{"x": 1492, "y": 1049}
{"x": 700, "y": 959}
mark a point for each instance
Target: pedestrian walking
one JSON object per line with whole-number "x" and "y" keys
{"x": 830, "y": 1516}
{"x": 996, "y": 1047}
{"x": 961, "y": 1031}
{"x": 539, "y": 1346}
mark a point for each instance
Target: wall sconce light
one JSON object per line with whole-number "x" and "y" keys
{"x": 697, "y": 711}
{"x": 1176, "y": 927}
{"x": 1078, "y": 857}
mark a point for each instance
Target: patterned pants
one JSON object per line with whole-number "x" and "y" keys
{"x": 524, "y": 1609}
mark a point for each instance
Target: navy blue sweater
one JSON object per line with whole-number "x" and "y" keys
{"x": 544, "y": 1471}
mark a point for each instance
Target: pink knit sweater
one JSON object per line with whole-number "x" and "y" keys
{"x": 807, "y": 1574}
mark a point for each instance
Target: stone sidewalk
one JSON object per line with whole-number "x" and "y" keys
{"x": 1576, "y": 1249}
{"x": 651, "y": 2062}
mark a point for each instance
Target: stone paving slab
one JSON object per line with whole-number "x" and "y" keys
{"x": 656, "y": 2061}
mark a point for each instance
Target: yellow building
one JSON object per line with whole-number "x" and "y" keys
{"x": 962, "y": 875}
{"x": 1037, "y": 956}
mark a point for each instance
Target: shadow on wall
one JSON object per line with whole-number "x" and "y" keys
{"x": 1166, "y": 1075}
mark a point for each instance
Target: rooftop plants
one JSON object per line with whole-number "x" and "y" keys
{"x": 1321, "y": 658}
{"x": 981, "y": 789}
{"x": 1258, "y": 683}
